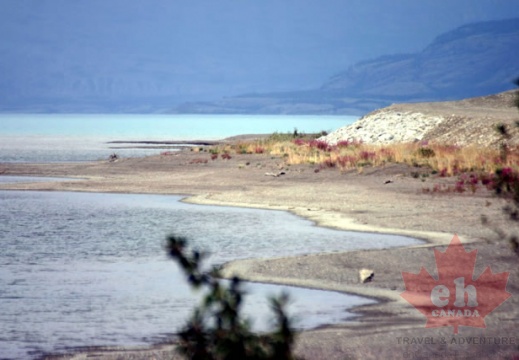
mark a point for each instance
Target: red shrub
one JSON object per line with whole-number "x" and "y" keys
{"x": 347, "y": 143}
{"x": 367, "y": 155}
{"x": 328, "y": 163}
{"x": 460, "y": 186}
{"x": 300, "y": 142}
{"x": 321, "y": 145}
{"x": 347, "y": 161}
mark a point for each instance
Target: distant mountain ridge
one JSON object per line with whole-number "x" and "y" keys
{"x": 473, "y": 60}
{"x": 88, "y": 58}
{"x": 476, "y": 57}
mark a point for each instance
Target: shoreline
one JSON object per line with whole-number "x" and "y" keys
{"x": 242, "y": 268}
{"x": 350, "y": 201}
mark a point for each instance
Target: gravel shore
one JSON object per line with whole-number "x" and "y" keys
{"x": 378, "y": 200}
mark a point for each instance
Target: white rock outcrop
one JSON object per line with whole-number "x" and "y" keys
{"x": 386, "y": 126}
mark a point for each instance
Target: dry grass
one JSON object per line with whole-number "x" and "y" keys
{"x": 446, "y": 160}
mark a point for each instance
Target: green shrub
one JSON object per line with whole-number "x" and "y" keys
{"x": 426, "y": 152}
{"x": 217, "y": 329}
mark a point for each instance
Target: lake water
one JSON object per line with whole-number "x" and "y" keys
{"x": 59, "y": 138}
{"x": 84, "y": 269}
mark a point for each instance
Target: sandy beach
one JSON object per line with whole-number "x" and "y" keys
{"x": 377, "y": 200}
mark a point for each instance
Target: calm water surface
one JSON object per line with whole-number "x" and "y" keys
{"x": 82, "y": 269}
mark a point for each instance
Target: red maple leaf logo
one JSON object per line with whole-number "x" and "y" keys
{"x": 455, "y": 298}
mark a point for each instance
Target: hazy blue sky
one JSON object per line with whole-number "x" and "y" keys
{"x": 187, "y": 49}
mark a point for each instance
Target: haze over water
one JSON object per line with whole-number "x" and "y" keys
{"x": 57, "y": 138}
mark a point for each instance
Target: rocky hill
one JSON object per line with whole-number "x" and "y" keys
{"x": 468, "y": 121}
{"x": 473, "y": 60}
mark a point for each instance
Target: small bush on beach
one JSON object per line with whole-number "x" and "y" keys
{"x": 217, "y": 329}
{"x": 426, "y": 152}
{"x": 113, "y": 157}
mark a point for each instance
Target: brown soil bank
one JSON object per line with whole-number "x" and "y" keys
{"x": 385, "y": 199}
{"x": 473, "y": 121}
